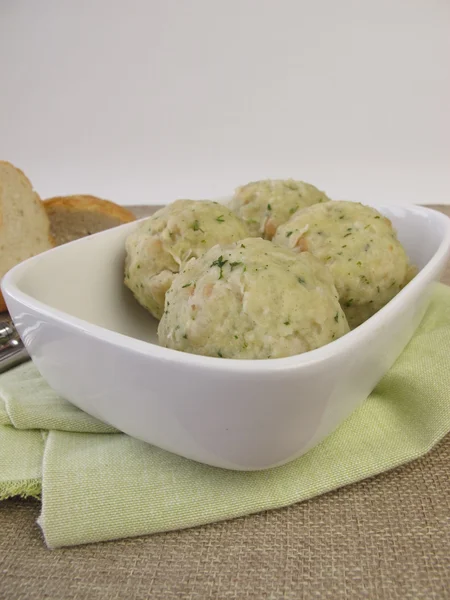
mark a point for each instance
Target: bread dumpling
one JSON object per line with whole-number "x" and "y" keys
{"x": 161, "y": 245}
{"x": 265, "y": 205}
{"x": 359, "y": 246}
{"x": 252, "y": 300}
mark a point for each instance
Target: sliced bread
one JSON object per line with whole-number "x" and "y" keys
{"x": 73, "y": 217}
{"x": 24, "y": 225}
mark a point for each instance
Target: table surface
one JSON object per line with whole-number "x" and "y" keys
{"x": 385, "y": 537}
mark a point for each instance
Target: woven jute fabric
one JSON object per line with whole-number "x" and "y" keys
{"x": 386, "y": 537}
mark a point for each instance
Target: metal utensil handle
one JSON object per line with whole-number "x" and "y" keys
{"x": 12, "y": 350}
{"x": 11, "y": 357}
{"x": 6, "y": 331}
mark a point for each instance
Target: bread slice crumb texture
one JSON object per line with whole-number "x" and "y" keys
{"x": 24, "y": 225}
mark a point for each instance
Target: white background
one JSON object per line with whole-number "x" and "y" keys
{"x": 145, "y": 101}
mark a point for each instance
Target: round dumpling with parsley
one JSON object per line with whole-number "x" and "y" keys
{"x": 252, "y": 300}
{"x": 160, "y": 246}
{"x": 361, "y": 249}
{"x": 265, "y": 205}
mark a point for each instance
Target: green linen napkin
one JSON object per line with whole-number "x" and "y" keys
{"x": 99, "y": 485}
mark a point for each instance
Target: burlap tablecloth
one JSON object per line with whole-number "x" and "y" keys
{"x": 386, "y": 537}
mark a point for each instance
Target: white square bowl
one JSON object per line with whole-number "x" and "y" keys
{"x": 98, "y": 348}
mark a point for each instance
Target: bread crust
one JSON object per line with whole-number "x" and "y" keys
{"x": 85, "y": 202}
